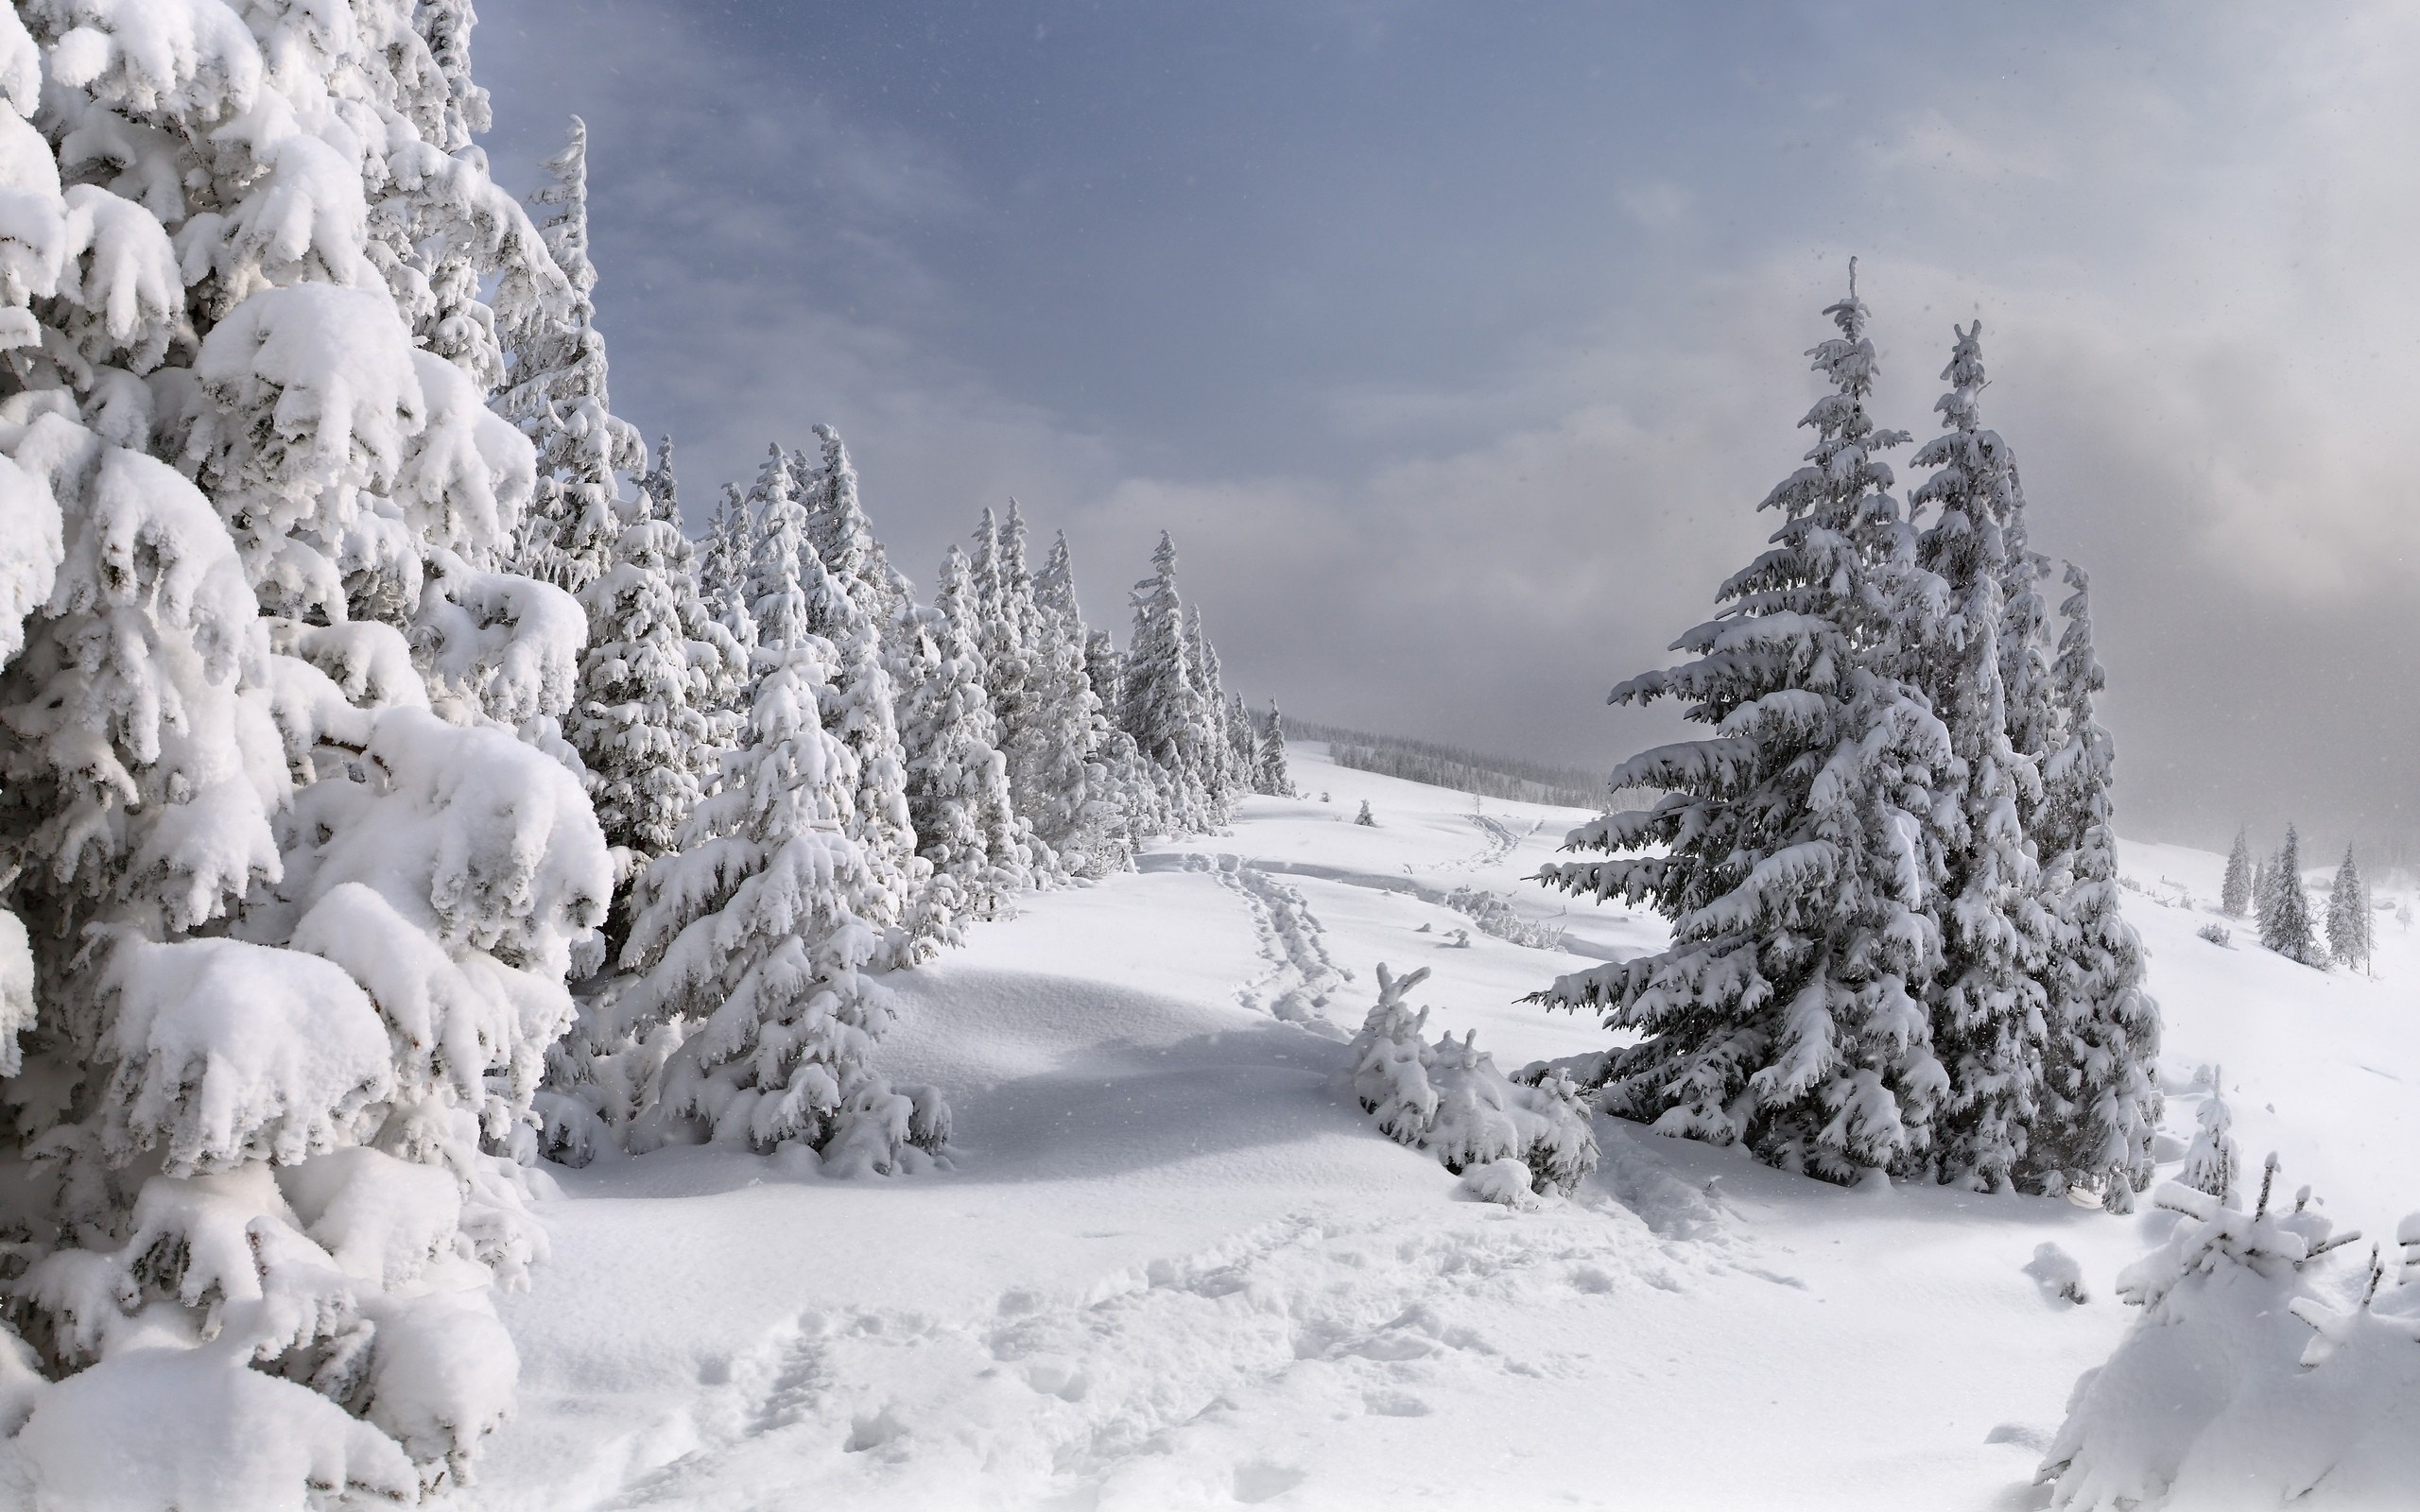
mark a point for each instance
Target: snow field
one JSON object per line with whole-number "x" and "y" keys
{"x": 1175, "y": 1267}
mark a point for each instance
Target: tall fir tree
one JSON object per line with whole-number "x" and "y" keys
{"x": 966, "y": 825}
{"x": 2102, "y": 1100}
{"x": 1270, "y": 763}
{"x": 1988, "y": 1003}
{"x": 1162, "y": 706}
{"x": 861, "y": 709}
{"x": 639, "y": 725}
{"x": 560, "y": 400}
{"x": 2235, "y": 891}
{"x": 722, "y": 584}
{"x": 1217, "y": 775}
{"x": 753, "y": 928}
{"x": 2348, "y": 915}
{"x": 1792, "y": 851}
{"x": 2285, "y": 919}
{"x": 1080, "y": 811}
{"x": 1243, "y": 743}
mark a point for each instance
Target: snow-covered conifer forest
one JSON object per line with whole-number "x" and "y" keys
{"x": 522, "y": 987}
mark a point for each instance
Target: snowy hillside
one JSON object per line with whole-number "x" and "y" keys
{"x": 1175, "y": 1266}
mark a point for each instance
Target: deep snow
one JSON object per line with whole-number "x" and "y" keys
{"x": 1174, "y": 1266}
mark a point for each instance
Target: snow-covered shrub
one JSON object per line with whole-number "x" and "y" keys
{"x": 1494, "y": 915}
{"x": 2216, "y": 934}
{"x": 1365, "y": 816}
{"x": 2258, "y": 1375}
{"x": 1450, "y": 1099}
{"x": 2211, "y": 1163}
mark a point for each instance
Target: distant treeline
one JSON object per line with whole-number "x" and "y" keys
{"x": 1463, "y": 770}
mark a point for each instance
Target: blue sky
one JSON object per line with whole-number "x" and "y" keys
{"x": 1457, "y": 342}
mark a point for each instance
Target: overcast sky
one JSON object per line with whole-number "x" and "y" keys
{"x": 1457, "y": 342}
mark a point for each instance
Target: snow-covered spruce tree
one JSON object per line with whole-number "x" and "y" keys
{"x": 1243, "y": 743}
{"x": 2101, "y": 1102}
{"x": 2235, "y": 892}
{"x": 1140, "y": 798}
{"x": 718, "y": 658}
{"x": 1221, "y": 781}
{"x": 755, "y": 936}
{"x": 1270, "y": 768}
{"x": 287, "y": 944}
{"x": 1987, "y": 1004}
{"x": 1793, "y": 850}
{"x": 966, "y": 826}
{"x": 2025, "y": 652}
{"x": 722, "y": 590}
{"x": 1162, "y": 706}
{"x": 1080, "y": 811}
{"x": 1105, "y": 669}
{"x": 643, "y": 723}
{"x": 861, "y": 709}
{"x": 2212, "y": 1163}
{"x": 2285, "y": 919}
{"x": 2348, "y": 915}
{"x": 836, "y": 526}
{"x": 558, "y": 396}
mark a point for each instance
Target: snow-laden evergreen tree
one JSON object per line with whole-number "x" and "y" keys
{"x": 2026, "y": 651}
{"x": 1270, "y": 768}
{"x": 777, "y": 587}
{"x": 2285, "y": 919}
{"x": 749, "y": 929}
{"x": 763, "y": 925}
{"x": 1988, "y": 1005}
{"x": 1365, "y": 817}
{"x": 290, "y": 908}
{"x": 2212, "y": 1160}
{"x": 1163, "y": 707}
{"x": 718, "y": 658}
{"x": 656, "y": 682}
{"x": 560, "y": 400}
{"x": 1105, "y": 669}
{"x": 722, "y": 590}
{"x": 1080, "y": 765}
{"x": 843, "y": 536}
{"x": 967, "y": 827}
{"x": 2101, "y": 1103}
{"x": 1220, "y": 777}
{"x": 1243, "y": 743}
{"x": 1793, "y": 850}
{"x": 2235, "y": 892}
{"x": 861, "y": 708}
{"x": 2348, "y": 915}
{"x": 2264, "y": 877}
{"x": 636, "y": 724}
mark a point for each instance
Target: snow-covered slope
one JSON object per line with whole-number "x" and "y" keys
{"x": 1175, "y": 1266}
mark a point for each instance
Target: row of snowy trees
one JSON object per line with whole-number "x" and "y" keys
{"x": 361, "y": 696}
{"x": 805, "y": 776}
{"x": 1890, "y": 873}
{"x": 2272, "y": 892}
